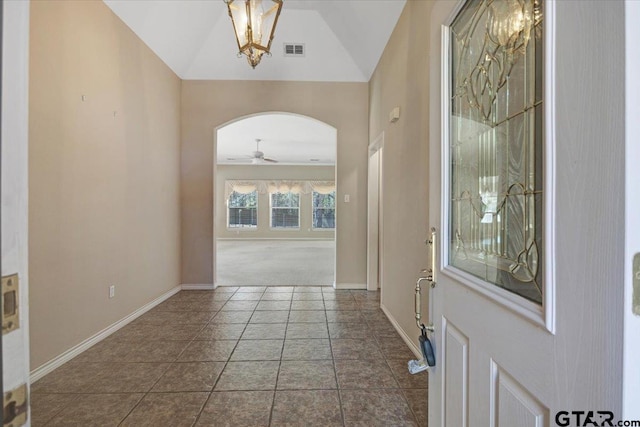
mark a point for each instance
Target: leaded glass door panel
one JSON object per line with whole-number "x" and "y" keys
{"x": 496, "y": 143}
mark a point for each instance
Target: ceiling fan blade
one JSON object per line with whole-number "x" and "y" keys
{"x": 270, "y": 160}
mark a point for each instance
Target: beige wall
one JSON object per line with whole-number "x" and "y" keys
{"x": 269, "y": 172}
{"x": 402, "y": 79}
{"x": 210, "y": 104}
{"x": 103, "y": 174}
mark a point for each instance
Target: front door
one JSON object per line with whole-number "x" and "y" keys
{"x": 526, "y": 196}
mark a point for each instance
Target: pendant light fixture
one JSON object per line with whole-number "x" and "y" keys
{"x": 254, "y": 23}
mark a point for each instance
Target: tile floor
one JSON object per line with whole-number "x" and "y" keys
{"x": 248, "y": 356}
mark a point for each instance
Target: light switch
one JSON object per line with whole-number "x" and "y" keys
{"x": 394, "y": 115}
{"x": 346, "y": 198}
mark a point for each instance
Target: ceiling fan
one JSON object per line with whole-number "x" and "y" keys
{"x": 258, "y": 156}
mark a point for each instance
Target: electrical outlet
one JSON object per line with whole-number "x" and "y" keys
{"x": 112, "y": 291}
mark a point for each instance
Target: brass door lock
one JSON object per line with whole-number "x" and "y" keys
{"x": 15, "y": 407}
{"x": 10, "y": 304}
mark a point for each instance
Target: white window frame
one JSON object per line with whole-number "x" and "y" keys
{"x": 313, "y": 227}
{"x": 243, "y": 227}
{"x": 271, "y": 208}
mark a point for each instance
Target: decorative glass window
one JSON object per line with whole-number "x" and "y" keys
{"x": 243, "y": 210}
{"x": 324, "y": 210}
{"x": 496, "y": 144}
{"x": 285, "y": 210}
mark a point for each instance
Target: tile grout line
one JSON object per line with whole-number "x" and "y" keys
{"x": 367, "y": 315}
{"x": 225, "y": 363}
{"x": 170, "y": 363}
{"x": 230, "y": 354}
{"x": 335, "y": 371}
{"x": 284, "y": 339}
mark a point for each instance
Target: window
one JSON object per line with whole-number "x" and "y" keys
{"x": 285, "y": 210}
{"x": 496, "y": 145}
{"x": 243, "y": 210}
{"x": 324, "y": 210}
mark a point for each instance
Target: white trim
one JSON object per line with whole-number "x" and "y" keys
{"x": 549, "y": 174}
{"x": 271, "y": 208}
{"x": 335, "y": 204}
{"x": 349, "y": 286}
{"x": 197, "y": 287}
{"x": 374, "y": 236}
{"x": 543, "y": 315}
{"x": 230, "y": 285}
{"x": 517, "y": 304}
{"x": 226, "y": 202}
{"x": 313, "y": 239}
{"x": 308, "y": 164}
{"x": 214, "y": 202}
{"x": 631, "y": 346}
{"x": 381, "y": 223}
{"x": 15, "y": 183}
{"x": 74, "y": 351}
{"x": 377, "y": 144}
{"x": 214, "y": 177}
{"x": 405, "y": 337}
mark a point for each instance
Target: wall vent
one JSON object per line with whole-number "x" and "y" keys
{"x": 294, "y": 49}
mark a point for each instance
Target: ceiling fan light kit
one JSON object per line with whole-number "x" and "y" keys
{"x": 254, "y": 23}
{"x": 257, "y": 158}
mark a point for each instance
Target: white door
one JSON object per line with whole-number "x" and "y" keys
{"x": 632, "y": 219}
{"x": 542, "y": 347}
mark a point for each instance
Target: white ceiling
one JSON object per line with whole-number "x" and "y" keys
{"x": 290, "y": 139}
{"x": 344, "y": 39}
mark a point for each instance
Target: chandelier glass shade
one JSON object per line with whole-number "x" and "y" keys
{"x": 254, "y": 24}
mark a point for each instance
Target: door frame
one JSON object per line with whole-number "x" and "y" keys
{"x": 214, "y": 178}
{"x": 1, "y": 144}
{"x": 374, "y": 214}
{"x": 631, "y": 369}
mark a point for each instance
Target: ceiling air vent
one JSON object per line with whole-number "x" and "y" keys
{"x": 294, "y": 49}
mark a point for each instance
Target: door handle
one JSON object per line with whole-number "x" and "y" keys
{"x": 431, "y": 271}
{"x": 418, "y": 302}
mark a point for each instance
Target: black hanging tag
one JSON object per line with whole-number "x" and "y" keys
{"x": 426, "y": 347}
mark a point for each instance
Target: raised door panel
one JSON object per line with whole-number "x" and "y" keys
{"x": 456, "y": 366}
{"x": 512, "y": 404}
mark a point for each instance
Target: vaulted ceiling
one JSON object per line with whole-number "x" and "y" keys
{"x": 343, "y": 39}
{"x": 289, "y": 139}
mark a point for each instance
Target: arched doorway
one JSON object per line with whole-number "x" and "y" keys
{"x": 274, "y": 201}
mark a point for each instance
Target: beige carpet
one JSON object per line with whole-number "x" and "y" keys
{"x": 275, "y": 262}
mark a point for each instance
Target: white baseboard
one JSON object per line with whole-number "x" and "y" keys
{"x": 402, "y": 332}
{"x": 74, "y": 351}
{"x": 350, "y": 286}
{"x": 197, "y": 287}
{"x": 313, "y": 239}
{"x": 225, "y": 285}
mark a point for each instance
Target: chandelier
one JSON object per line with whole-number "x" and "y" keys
{"x": 254, "y": 23}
